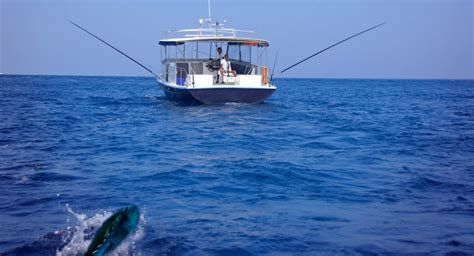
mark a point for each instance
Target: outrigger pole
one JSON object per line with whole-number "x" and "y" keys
{"x": 340, "y": 42}
{"x": 98, "y": 38}
{"x": 273, "y": 69}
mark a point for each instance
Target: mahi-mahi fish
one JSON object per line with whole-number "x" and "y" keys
{"x": 114, "y": 230}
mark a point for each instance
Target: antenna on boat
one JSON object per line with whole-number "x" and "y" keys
{"x": 340, "y": 42}
{"x": 209, "y": 9}
{"x": 98, "y": 38}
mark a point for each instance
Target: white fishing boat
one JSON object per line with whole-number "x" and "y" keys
{"x": 193, "y": 70}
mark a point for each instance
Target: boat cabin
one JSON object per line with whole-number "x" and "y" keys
{"x": 190, "y": 57}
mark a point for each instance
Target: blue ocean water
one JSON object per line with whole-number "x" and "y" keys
{"x": 351, "y": 167}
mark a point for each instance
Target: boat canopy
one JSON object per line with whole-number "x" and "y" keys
{"x": 229, "y": 40}
{"x": 216, "y": 33}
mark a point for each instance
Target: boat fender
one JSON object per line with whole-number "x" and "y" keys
{"x": 264, "y": 75}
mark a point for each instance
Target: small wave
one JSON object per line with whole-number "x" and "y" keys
{"x": 462, "y": 210}
{"x": 232, "y": 251}
{"x": 7, "y": 177}
{"x": 428, "y": 183}
{"x": 33, "y": 166}
{"x": 370, "y": 249}
{"x": 453, "y": 243}
{"x": 409, "y": 241}
{"x": 43, "y": 177}
{"x": 459, "y": 113}
{"x": 44, "y": 245}
{"x": 328, "y": 219}
{"x": 109, "y": 101}
{"x": 168, "y": 246}
{"x": 27, "y": 202}
{"x": 236, "y": 104}
{"x": 172, "y": 175}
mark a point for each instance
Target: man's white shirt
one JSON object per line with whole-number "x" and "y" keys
{"x": 225, "y": 65}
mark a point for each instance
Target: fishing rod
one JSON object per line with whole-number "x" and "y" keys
{"x": 340, "y": 42}
{"x": 273, "y": 69}
{"x": 98, "y": 38}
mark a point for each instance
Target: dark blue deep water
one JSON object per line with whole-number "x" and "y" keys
{"x": 351, "y": 167}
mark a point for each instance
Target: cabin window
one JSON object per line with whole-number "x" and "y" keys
{"x": 233, "y": 51}
{"x": 241, "y": 52}
{"x": 197, "y": 50}
{"x": 246, "y": 53}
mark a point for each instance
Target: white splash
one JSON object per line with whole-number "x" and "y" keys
{"x": 23, "y": 180}
{"x": 128, "y": 246}
{"x": 77, "y": 235}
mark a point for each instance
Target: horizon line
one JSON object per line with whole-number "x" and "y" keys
{"x": 341, "y": 78}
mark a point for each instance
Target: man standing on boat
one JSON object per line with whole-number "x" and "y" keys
{"x": 219, "y": 58}
{"x": 226, "y": 68}
{"x": 219, "y": 54}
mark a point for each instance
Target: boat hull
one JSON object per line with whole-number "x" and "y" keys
{"x": 217, "y": 95}
{"x": 231, "y": 95}
{"x": 176, "y": 93}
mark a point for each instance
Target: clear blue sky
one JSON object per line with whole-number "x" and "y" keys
{"x": 422, "y": 38}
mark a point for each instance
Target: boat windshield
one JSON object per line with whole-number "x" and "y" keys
{"x": 245, "y": 57}
{"x": 190, "y": 51}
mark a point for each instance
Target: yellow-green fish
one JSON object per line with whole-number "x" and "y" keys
{"x": 114, "y": 230}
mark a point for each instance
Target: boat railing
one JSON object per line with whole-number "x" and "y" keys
{"x": 199, "y": 66}
{"x": 188, "y": 60}
{"x": 207, "y": 33}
